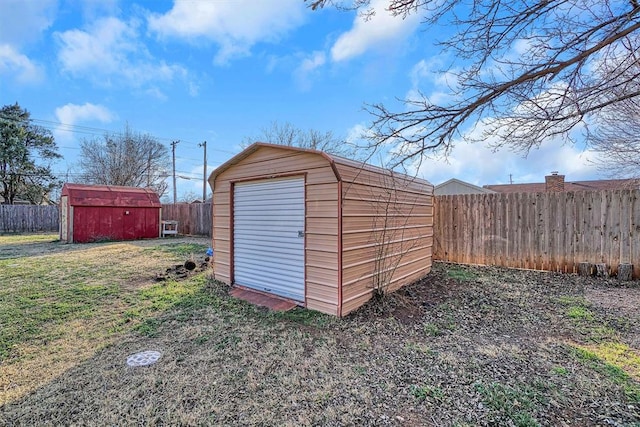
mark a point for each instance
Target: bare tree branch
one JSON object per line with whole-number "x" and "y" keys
{"x": 556, "y": 80}
{"x": 615, "y": 139}
{"x": 290, "y": 135}
{"x": 129, "y": 159}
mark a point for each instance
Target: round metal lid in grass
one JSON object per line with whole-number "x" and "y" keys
{"x": 144, "y": 358}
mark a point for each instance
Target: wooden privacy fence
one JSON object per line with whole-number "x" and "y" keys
{"x": 28, "y": 218}
{"x": 193, "y": 218}
{"x": 541, "y": 231}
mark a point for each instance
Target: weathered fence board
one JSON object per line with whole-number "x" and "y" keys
{"x": 542, "y": 231}
{"x": 193, "y": 218}
{"x": 28, "y": 218}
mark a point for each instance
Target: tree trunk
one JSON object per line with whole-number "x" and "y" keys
{"x": 625, "y": 272}
{"x": 585, "y": 269}
{"x": 602, "y": 271}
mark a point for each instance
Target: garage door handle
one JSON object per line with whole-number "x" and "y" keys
{"x": 300, "y": 233}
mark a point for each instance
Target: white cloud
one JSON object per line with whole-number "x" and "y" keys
{"x": 234, "y": 25}
{"x": 316, "y": 60}
{"x": 194, "y": 89}
{"x": 92, "y": 9}
{"x": 17, "y": 65}
{"x": 479, "y": 164}
{"x": 23, "y": 21}
{"x": 307, "y": 67}
{"x": 379, "y": 31}
{"x": 73, "y": 113}
{"x": 428, "y": 73}
{"x": 109, "y": 49}
{"x": 70, "y": 114}
{"x": 357, "y": 135}
{"x": 155, "y": 92}
{"x": 106, "y": 45}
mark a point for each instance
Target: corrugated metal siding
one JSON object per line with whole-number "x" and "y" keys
{"x": 408, "y": 216}
{"x": 387, "y": 233}
{"x": 322, "y": 290}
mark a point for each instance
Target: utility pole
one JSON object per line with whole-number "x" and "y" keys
{"x": 204, "y": 177}
{"x": 173, "y": 151}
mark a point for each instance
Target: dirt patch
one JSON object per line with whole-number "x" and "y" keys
{"x": 626, "y": 300}
{"x": 183, "y": 271}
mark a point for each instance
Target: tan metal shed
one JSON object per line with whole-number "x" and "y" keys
{"x": 318, "y": 229}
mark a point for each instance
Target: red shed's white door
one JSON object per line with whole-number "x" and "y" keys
{"x": 268, "y": 236}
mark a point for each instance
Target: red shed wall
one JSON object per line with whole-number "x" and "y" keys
{"x": 98, "y": 212}
{"x": 113, "y": 223}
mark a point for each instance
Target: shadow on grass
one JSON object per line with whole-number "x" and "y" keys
{"x": 204, "y": 308}
{"x": 19, "y": 248}
{"x": 214, "y": 295}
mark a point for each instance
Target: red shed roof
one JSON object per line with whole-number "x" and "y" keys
{"x": 110, "y": 195}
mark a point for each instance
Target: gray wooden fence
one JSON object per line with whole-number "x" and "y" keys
{"x": 541, "y": 231}
{"x": 28, "y": 218}
{"x": 193, "y": 218}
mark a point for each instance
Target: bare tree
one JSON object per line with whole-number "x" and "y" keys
{"x": 394, "y": 232}
{"x": 190, "y": 197}
{"x": 615, "y": 138}
{"x": 128, "y": 158}
{"x": 555, "y": 80}
{"x": 288, "y": 134}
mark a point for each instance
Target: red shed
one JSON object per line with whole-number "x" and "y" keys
{"x": 107, "y": 212}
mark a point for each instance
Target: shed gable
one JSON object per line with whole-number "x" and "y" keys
{"x": 264, "y": 162}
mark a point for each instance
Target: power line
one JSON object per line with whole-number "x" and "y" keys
{"x": 88, "y": 130}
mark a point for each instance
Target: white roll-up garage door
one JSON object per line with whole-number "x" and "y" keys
{"x": 268, "y": 236}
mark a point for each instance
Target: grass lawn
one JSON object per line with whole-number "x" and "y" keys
{"x": 465, "y": 346}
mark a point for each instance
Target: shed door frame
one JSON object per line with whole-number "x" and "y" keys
{"x": 299, "y": 290}
{"x": 64, "y": 218}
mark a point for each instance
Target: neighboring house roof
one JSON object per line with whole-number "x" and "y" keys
{"x": 541, "y": 187}
{"x": 456, "y": 186}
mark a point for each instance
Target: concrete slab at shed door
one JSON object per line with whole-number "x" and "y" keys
{"x": 268, "y": 236}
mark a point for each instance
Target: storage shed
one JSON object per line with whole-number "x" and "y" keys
{"x": 104, "y": 212}
{"x": 318, "y": 229}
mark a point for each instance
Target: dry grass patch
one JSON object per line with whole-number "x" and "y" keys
{"x": 59, "y": 309}
{"x": 465, "y": 346}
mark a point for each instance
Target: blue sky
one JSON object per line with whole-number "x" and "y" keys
{"x": 222, "y": 70}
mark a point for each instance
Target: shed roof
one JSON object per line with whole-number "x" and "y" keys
{"x": 110, "y": 195}
{"x": 331, "y": 158}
